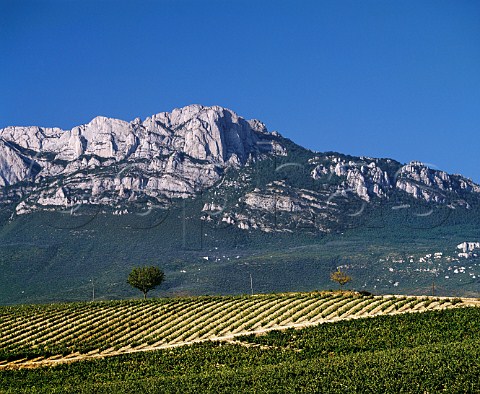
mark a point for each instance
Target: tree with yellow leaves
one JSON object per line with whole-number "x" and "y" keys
{"x": 340, "y": 277}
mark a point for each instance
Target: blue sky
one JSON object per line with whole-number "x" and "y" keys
{"x": 396, "y": 79}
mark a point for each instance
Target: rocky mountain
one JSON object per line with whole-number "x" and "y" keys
{"x": 110, "y": 161}
{"x": 248, "y": 176}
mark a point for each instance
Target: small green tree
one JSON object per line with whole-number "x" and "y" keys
{"x": 145, "y": 278}
{"x": 340, "y": 277}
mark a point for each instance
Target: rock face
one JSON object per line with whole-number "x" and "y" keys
{"x": 168, "y": 155}
{"x": 368, "y": 178}
{"x": 422, "y": 182}
{"x": 280, "y": 207}
{"x": 215, "y": 134}
{"x": 364, "y": 178}
{"x": 14, "y": 167}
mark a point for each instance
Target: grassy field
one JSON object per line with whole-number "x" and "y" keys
{"x": 429, "y": 352}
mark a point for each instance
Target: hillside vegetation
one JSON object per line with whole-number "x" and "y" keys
{"x": 79, "y": 330}
{"x": 43, "y": 263}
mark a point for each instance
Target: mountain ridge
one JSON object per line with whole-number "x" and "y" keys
{"x": 178, "y": 154}
{"x": 185, "y": 149}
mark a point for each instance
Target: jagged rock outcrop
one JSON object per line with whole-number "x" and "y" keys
{"x": 428, "y": 184}
{"x": 277, "y": 207}
{"x": 367, "y": 179}
{"x": 214, "y": 133}
{"x": 167, "y": 155}
{"x": 14, "y": 167}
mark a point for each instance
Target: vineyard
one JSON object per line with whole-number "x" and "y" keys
{"x": 430, "y": 352}
{"x": 31, "y": 334}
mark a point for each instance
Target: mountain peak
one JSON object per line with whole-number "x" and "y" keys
{"x": 177, "y": 153}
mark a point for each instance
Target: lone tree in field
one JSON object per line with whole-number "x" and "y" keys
{"x": 340, "y": 277}
{"x": 145, "y": 278}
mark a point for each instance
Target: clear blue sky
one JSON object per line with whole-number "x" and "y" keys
{"x": 385, "y": 78}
